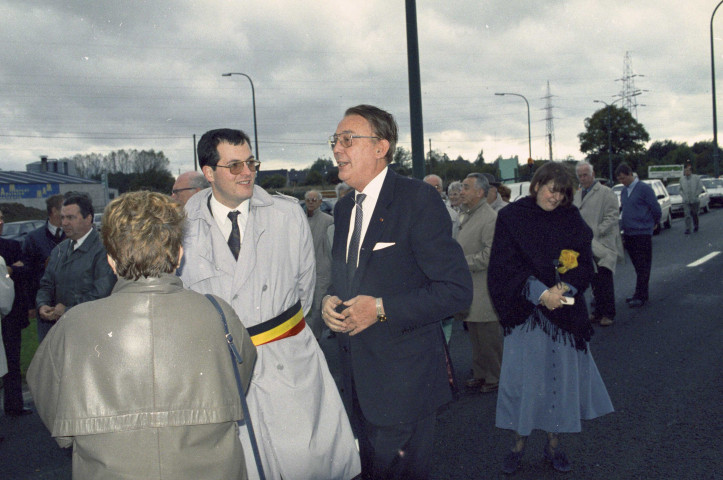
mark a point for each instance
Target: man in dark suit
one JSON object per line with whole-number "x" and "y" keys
{"x": 12, "y": 326}
{"x": 36, "y": 251}
{"x": 403, "y": 274}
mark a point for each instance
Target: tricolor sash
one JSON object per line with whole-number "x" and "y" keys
{"x": 286, "y": 324}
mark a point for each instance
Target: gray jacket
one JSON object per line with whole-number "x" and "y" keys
{"x": 142, "y": 386}
{"x": 77, "y": 277}
{"x": 690, "y": 188}
{"x": 599, "y": 209}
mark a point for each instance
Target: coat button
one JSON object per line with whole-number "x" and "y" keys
{"x": 264, "y": 288}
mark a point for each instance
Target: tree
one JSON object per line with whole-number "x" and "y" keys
{"x": 625, "y": 136}
{"x": 403, "y": 159}
{"x": 480, "y": 160}
{"x": 313, "y": 178}
{"x": 273, "y": 181}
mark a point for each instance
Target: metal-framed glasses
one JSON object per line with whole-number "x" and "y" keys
{"x": 176, "y": 191}
{"x": 345, "y": 139}
{"x": 237, "y": 167}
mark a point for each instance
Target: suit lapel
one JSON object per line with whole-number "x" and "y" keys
{"x": 375, "y": 228}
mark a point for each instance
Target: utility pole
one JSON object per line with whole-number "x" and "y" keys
{"x": 549, "y": 119}
{"x": 629, "y": 93}
{"x": 415, "y": 91}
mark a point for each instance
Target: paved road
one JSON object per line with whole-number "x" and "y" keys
{"x": 662, "y": 366}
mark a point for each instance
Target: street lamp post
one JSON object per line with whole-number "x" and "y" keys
{"x": 716, "y": 156}
{"x": 529, "y": 131}
{"x": 610, "y": 139}
{"x": 253, "y": 102}
{"x": 610, "y": 130}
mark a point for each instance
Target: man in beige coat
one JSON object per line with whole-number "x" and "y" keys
{"x": 475, "y": 236}
{"x": 599, "y": 208}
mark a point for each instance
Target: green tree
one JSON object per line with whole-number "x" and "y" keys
{"x": 613, "y": 129}
{"x": 403, "y": 159}
{"x": 273, "y": 181}
{"x": 313, "y": 178}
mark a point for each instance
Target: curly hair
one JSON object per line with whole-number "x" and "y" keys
{"x": 143, "y": 233}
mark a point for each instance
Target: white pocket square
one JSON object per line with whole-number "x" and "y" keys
{"x": 381, "y": 245}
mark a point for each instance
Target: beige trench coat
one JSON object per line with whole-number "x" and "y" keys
{"x": 475, "y": 236}
{"x": 600, "y": 211}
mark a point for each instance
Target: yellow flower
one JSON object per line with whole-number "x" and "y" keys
{"x": 568, "y": 260}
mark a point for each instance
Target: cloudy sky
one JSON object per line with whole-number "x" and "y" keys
{"x": 97, "y": 76}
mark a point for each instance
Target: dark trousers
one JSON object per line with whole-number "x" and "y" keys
{"x": 394, "y": 452}
{"x": 640, "y": 249}
{"x": 12, "y": 381}
{"x": 603, "y": 292}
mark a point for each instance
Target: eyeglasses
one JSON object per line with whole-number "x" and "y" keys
{"x": 237, "y": 167}
{"x": 345, "y": 139}
{"x": 176, "y": 191}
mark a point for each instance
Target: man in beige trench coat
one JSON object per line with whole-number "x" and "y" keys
{"x": 475, "y": 236}
{"x": 599, "y": 208}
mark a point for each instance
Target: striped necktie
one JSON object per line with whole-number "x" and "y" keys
{"x": 353, "y": 255}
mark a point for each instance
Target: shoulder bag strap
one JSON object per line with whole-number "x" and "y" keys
{"x": 236, "y": 359}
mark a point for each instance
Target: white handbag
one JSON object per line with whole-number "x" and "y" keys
{"x": 7, "y": 289}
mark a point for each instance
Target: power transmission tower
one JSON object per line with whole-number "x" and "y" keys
{"x": 629, "y": 93}
{"x": 550, "y": 136}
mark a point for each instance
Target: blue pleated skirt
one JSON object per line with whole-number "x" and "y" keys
{"x": 547, "y": 385}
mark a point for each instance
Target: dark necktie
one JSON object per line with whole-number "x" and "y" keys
{"x": 584, "y": 192}
{"x": 58, "y": 235}
{"x": 72, "y": 248}
{"x": 353, "y": 254}
{"x": 234, "y": 240}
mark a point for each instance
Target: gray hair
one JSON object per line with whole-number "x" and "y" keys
{"x": 585, "y": 164}
{"x": 341, "y": 189}
{"x": 435, "y": 177}
{"x": 455, "y": 186}
{"x": 198, "y": 181}
{"x": 310, "y": 192}
{"x": 480, "y": 181}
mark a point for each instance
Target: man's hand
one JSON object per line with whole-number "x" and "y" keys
{"x": 333, "y": 320}
{"x": 362, "y": 313}
{"x": 59, "y": 310}
{"x": 47, "y": 313}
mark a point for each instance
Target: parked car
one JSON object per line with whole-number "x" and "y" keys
{"x": 518, "y": 190}
{"x": 18, "y": 230}
{"x": 661, "y": 193}
{"x": 676, "y": 201}
{"x": 715, "y": 190}
{"x": 97, "y": 218}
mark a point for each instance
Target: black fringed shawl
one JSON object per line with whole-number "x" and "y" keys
{"x": 527, "y": 241}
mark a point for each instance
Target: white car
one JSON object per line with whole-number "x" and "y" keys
{"x": 518, "y": 190}
{"x": 663, "y": 200}
{"x": 676, "y": 201}
{"x": 715, "y": 190}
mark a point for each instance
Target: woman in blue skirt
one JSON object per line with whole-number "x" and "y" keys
{"x": 540, "y": 266}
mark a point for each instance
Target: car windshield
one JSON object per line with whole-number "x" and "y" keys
{"x": 674, "y": 189}
{"x": 713, "y": 182}
{"x": 11, "y": 229}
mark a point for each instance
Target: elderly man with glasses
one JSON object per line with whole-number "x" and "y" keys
{"x": 187, "y": 185}
{"x": 322, "y": 232}
{"x": 255, "y": 251}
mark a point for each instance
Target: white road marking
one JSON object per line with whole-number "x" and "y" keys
{"x": 701, "y": 261}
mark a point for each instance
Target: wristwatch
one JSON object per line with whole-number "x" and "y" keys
{"x": 381, "y": 317}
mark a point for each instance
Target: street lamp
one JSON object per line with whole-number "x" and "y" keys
{"x": 715, "y": 115}
{"x": 610, "y": 131}
{"x": 253, "y": 101}
{"x": 529, "y": 132}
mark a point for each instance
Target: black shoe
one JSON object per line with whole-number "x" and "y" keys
{"x": 687, "y": 232}
{"x": 695, "y": 229}
{"x": 636, "y": 303}
{"x": 512, "y": 462}
{"x": 630, "y": 299}
{"x": 557, "y": 458}
{"x": 18, "y": 413}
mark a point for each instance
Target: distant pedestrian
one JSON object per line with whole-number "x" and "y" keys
{"x": 641, "y": 212}
{"x": 540, "y": 266}
{"x": 322, "y": 234}
{"x": 454, "y": 191}
{"x": 690, "y": 189}
{"x": 599, "y": 208}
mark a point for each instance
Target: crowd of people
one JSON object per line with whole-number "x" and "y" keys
{"x": 182, "y": 339}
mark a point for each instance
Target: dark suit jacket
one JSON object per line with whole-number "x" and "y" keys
{"x": 36, "y": 250}
{"x": 398, "y": 367}
{"x": 17, "y": 319}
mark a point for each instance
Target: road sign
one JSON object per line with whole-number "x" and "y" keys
{"x": 665, "y": 171}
